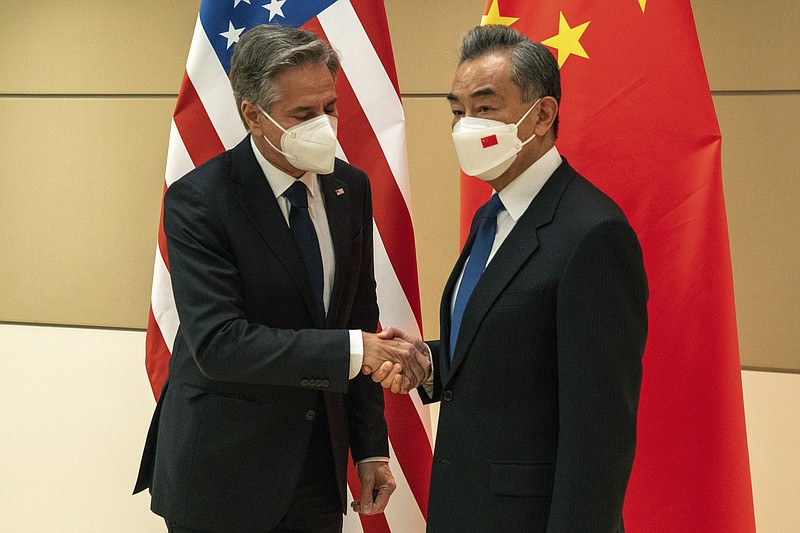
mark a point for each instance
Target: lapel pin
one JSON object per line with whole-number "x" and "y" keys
{"x": 339, "y": 192}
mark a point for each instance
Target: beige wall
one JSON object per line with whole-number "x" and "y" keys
{"x": 85, "y": 106}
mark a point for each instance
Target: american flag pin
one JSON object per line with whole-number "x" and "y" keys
{"x": 339, "y": 192}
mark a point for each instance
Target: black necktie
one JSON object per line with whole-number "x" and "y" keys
{"x": 478, "y": 256}
{"x": 305, "y": 236}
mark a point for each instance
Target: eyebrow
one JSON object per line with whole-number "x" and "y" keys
{"x": 307, "y": 108}
{"x": 483, "y": 92}
{"x": 480, "y": 92}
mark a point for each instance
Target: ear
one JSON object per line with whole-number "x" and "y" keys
{"x": 548, "y": 110}
{"x": 251, "y": 115}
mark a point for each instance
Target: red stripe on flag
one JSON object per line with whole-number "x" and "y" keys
{"x": 372, "y": 15}
{"x": 410, "y": 443}
{"x": 374, "y": 523}
{"x": 162, "y": 237}
{"x": 194, "y": 125}
{"x": 156, "y": 359}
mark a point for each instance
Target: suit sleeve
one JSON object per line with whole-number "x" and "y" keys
{"x": 209, "y": 299}
{"x": 602, "y": 327}
{"x": 368, "y": 430}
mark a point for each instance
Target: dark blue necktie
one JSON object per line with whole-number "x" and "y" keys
{"x": 305, "y": 236}
{"x": 479, "y": 255}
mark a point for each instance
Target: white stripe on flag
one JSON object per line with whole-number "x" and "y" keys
{"x": 402, "y": 513}
{"x": 371, "y": 85}
{"x": 163, "y": 301}
{"x": 212, "y": 85}
{"x": 178, "y": 160}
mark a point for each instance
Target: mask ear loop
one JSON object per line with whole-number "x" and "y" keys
{"x": 529, "y": 139}
{"x": 289, "y": 157}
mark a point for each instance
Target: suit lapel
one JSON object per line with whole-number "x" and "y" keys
{"x": 520, "y": 244}
{"x": 260, "y": 205}
{"x": 337, "y": 209}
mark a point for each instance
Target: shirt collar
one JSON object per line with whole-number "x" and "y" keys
{"x": 519, "y": 194}
{"x": 279, "y": 181}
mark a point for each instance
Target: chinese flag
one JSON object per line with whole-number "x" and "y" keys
{"x": 637, "y": 120}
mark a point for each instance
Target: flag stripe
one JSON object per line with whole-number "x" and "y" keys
{"x": 406, "y": 432}
{"x": 163, "y": 301}
{"x": 178, "y": 160}
{"x": 194, "y": 126}
{"x": 213, "y": 88}
{"x": 373, "y": 19}
{"x": 394, "y": 224}
{"x": 373, "y": 89}
{"x": 403, "y": 512}
{"x": 156, "y": 353}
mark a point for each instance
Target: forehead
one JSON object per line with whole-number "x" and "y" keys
{"x": 305, "y": 85}
{"x": 487, "y": 75}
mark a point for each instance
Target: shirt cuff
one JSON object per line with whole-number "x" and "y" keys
{"x": 356, "y": 352}
{"x": 428, "y": 384}
{"x": 373, "y": 460}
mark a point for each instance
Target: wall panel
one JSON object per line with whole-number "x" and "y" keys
{"x": 762, "y": 193}
{"x": 426, "y": 37}
{"x": 749, "y": 46}
{"x": 80, "y": 194}
{"x": 434, "y": 189}
{"x": 94, "y": 46}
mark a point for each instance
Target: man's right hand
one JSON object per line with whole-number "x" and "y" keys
{"x": 402, "y": 356}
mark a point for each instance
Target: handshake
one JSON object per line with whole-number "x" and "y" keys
{"x": 396, "y": 360}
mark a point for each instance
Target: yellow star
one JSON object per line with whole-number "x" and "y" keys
{"x": 642, "y": 3}
{"x": 567, "y": 41}
{"x": 493, "y": 16}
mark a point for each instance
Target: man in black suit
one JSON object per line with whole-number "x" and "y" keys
{"x": 270, "y": 253}
{"x": 543, "y": 319}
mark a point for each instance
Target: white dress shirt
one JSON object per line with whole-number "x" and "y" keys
{"x": 279, "y": 182}
{"x": 516, "y": 197}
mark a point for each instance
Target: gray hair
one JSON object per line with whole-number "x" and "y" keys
{"x": 533, "y": 68}
{"x": 266, "y": 51}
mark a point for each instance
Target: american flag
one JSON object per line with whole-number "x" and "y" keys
{"x": 371, "y": 137}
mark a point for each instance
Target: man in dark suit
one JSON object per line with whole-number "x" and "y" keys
{"x": 270, "y": 252}
{"x": 543, "y": 319}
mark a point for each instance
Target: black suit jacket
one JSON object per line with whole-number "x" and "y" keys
{"x": 537, "y": 427}
{"x": 250, "y": 369}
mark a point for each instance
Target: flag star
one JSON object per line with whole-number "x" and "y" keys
{"x": 642, "y": 3}
{"x": 237, "y": 2}
{"x": 567, "y": 41}
{"x": 274, "y": 7}
{"x": 232, "y": 34}
{"x": 494, "y": 17}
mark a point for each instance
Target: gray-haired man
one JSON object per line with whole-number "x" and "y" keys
{"x": 270, "y": 251}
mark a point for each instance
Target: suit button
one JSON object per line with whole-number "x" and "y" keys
{"x": 310, "y": 415}
{"x": 326, "y": 383}
{"x": 318, "y": 383}
{"x": 304, "y": 383}
{"x": 447, "y": 395}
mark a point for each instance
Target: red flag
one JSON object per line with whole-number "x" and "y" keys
{"x": 637, "y": 119}
{"x": 371, "y": 137}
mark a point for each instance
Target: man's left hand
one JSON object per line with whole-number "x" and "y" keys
{"x": 377, "y": 484}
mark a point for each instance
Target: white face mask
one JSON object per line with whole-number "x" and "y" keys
{"x": 486, "y": 148}
{"x": 310, "y": 145}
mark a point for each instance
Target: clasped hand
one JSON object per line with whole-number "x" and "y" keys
{"x": 396, "y": 360}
